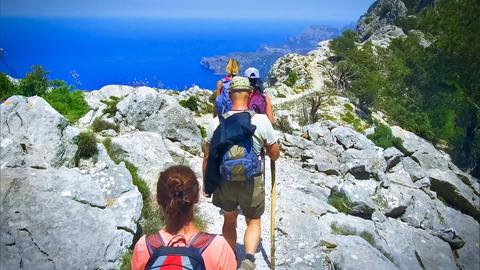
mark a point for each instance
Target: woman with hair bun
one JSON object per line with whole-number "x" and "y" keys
{"x": 180, "y": 243}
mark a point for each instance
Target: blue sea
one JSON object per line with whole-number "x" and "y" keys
{"x": 92, "y": 52}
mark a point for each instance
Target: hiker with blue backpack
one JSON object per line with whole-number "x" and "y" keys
{"x": 259, "y": 100}
{"x": 180, "y": 244}
{"x": 233, "y": 169}
{"x": 222, "y": 101}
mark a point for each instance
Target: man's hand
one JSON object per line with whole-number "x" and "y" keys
{"x": 273, "y": 151}
{"x": 205, "y": 193}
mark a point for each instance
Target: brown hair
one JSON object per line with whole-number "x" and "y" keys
{"x": 177, "y": 192}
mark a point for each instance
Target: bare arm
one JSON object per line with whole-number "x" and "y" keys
{"x": 205, "y": 158}
{"x": 218, "y": 90}
{"x": 269, "y": 110}
{"x": 273, "y": 151}
{"x": 204, "y": 167}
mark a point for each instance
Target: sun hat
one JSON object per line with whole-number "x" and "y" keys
{"x": 252, "y": 73}
{"x": 240, "y": 83}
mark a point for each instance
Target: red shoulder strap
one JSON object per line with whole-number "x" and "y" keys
{"x": 202, "y": 240}
{"x": 154, "y": 241}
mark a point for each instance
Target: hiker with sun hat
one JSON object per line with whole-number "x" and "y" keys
{"x": 232, "y": 169}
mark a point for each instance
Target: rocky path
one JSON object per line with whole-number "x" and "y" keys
{"x": 316, "y": 84}
{"x": 214, "y": 218}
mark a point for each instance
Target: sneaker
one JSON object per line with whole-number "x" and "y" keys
{"x": 247, "y": 265}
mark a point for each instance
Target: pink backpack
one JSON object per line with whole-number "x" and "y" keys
{"x": 257, "y": 103}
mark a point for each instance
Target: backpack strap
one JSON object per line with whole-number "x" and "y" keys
{"x": 154, "y": 241}
{"x": 202, "y": 240}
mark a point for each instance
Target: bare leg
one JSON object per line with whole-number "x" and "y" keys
{"x": 229, "y": 229}
{"x": 252, "y": 235}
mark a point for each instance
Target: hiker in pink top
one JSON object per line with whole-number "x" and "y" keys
{"x": 180, "y": 243}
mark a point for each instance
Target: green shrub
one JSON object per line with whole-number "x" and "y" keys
{"x": 60, "y": 96}
{"x": 292, "y": 78}
{"x": 281, "y": 95}
{"x": 111, "y": 103}
{"x": 383, "y": 137}
{"x": 34, "y": 83}
{"x": 353, "y": 120}
{"x": 7, "y": 87}
{"x": 340, "y": 202}
{"x": 126, "y": 260}
{"x": 99, "y": 124}
{"x": 87, "y": 146}
{"x": 192, "y": 103}
{"x": 203, "y": 132}
{"x": 70, "y": 104}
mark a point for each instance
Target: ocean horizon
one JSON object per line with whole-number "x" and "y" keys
{"x": 89, "y": 53}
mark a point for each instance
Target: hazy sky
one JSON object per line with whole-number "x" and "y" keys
{"x": 317, "y": 10}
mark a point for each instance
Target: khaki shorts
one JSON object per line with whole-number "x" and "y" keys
{"x": 250, "y": 197}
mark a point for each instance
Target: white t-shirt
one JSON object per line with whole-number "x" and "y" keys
{"x": 264, "y": 133}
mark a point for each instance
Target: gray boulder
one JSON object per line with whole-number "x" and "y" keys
{"x": 146, "y": 151}
{"x": 353, "y": 252}
{"x": 350, "y": 138}
{"x": 33, "y": 134}
{"x": 147, "y": 110}
{"x": 384, "y": 36}
{"x": 355, "y": 198}
{"x": 413, "y": 168}
{"x": 393, "y": 156}
{"x": 414, "y": 247}
{"x": 51, "y": 216}
{"x": 455, "y": 192}
{"x": 363, "y": 164}
{"x": 468, "y": 230}
{"x": 94, "y": 98}
{"x": 422, "y": 151}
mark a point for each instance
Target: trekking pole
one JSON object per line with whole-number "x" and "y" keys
{"x": 272, "y": 215}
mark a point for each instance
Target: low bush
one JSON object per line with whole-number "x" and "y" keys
{"x": 87, "y": 146}
{"x": 126, "y": 260}
{"x": 292, "y": 78}
{"x": 192, "y": 103}
{"x": 7, "y": 87}
{"x": 384, "y": 138}
{"x": 70, "y": 104}
{"x": 111, "y": 103}
{"x": 99, "y": 124}
{"x": 203, "y": 132}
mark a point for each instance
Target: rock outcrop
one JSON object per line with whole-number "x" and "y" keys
{"x": 380, "y": 14}
{"x": 34, "y": 135}
{"x": 400, "y": 220}
{"x": 50, "y": 212}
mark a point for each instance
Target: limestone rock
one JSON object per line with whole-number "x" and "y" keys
{"x": 33, "y": 134}
{"x": 146, "y": 151}
{"x": 455, "y": 192}
{"x": 381, "y": 13}
{"x": 50, "y": 215}
{"x": 350, "y": 138}
{"x": 147, "y": 110}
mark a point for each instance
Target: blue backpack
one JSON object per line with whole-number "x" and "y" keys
{"x": 240, "y": 162}
{"x": 187, "y": 257}
{"x": 223, "y": 103}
